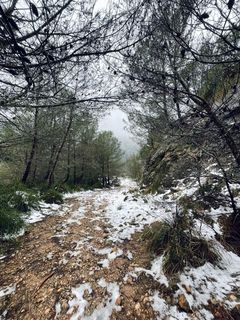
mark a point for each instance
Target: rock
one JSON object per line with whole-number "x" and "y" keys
{"x": 235, "y": 313}
{"x": 187, "y": 288}
{"x": 118, "y": 301}
{"x": 130, "y": 280}
{"x": 138, "y": 308}
{"x": 119, "y": 262}
{"x": 183, "y": 303}
{"x": 64, "y": 305}
{"x": 145, "y": 300}
{"x": 168, "y": 299}
{"x": 128, "y": 291}
{"x": 219, "y": 311}
{"x": 47, "y": 311}
{"x": 213, "y": 301}
{"x": 232, "y": 297}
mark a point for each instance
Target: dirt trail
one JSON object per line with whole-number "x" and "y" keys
{"x": 74, "y": 251}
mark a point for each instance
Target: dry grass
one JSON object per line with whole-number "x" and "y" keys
{"x": 180, "y": 247}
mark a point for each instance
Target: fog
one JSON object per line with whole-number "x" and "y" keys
{"x": 117, "y": 122}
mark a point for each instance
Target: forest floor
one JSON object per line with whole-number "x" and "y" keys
{"x": 89, "y": 261}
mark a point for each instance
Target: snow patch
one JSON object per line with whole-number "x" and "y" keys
{"x": 129, "y": 213}
{"x": 111, "y": 253}
{"x": 103, "y": 311}
{"x": 5, "y": 291}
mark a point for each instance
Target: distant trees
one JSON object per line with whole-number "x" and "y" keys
{"x": 134, "y": 167}
{"x": 62, "y": 145}
{"x": 109, "y": 156}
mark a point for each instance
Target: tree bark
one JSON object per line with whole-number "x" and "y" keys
{"x": 68, "y": 163}
{"x": 33, "y": 149}
{"x": 51, "y": 174}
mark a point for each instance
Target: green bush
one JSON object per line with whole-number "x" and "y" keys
{"x": 180, "y": 247}
{"x": 15, "y": 199}
{"x": 52, "y": 196}
{"x": 66, "y": 187}
{"x": 10, "y": 221}
{"x": 97, "y": 185}
{"x": 158, "y": 234}
{"x": 23, "y": 201}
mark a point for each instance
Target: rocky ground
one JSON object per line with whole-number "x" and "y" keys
{"x": 90, "y": 262}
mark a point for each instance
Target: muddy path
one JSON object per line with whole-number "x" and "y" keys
{"x": 68, "y": 267}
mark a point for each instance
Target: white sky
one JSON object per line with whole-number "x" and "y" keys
{"x": 100, "y": 5}
{"x": 116, "y": 121}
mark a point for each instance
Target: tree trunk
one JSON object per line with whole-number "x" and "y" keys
{"x": 74, "y": 164}
{"x": 68, "y": 163}
{"x": 51, "y": 174}
{"x": 33, "y": 149}
{"x": 108, "y": 174}
{"x": 50, "y": 163}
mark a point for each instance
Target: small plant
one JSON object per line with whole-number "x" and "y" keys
{"x": 52, "y": 196}
{"x": 11, "y": 218}
{"x": 23, "y": 201}
{"x": 179, "y": 245}
{"x": 205, "y": 188}
{"x": 10, "y": 221}
{"x": 210, "y": 195}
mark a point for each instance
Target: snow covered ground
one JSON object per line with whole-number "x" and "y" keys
{"x": 127, "y": 212}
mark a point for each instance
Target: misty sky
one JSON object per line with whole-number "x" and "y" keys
{"x": 116, "y": 121}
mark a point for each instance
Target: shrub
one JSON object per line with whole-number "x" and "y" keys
{"x": 175, "y": 240}
{"x": 231, "y": 230}
{"x": 158, "y": 234}
{"x": 23, "y": 201}
{"x": 205, "y": 188}
{"x": 15, "y": 199}
{"x": 210, "y": 195}
{"x": 97, "y": 185}
{"x": 52, "y": 196}
{"x": 64, "y": 188}
{"x": 10, "y": 221}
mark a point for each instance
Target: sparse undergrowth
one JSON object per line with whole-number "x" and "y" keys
{"x": 15, "y": 201}
{"x": 231, "y": 231}
{"x": 52, "y": 196}
{"x": 179, "y": 245}
{"x": 11, "y": 221}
